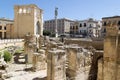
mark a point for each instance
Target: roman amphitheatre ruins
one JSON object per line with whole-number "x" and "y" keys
{"x": 38, "y": 57}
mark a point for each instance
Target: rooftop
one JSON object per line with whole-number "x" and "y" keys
{"x": 111, "y": 17}
{"x": 28, "y": 5}
{"x": 61, "y": 19}
{"x": 5, "y": 19}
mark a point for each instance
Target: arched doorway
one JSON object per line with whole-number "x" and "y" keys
{"x": 38, "y": 27}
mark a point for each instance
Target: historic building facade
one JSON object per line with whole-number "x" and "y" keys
{"x": 4, "y": 28}
{"x": 89, "y": 28}
{"x": 63, "y": 25}
{"x": 28, "y": 19}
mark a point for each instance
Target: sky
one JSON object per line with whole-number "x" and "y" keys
{"x": 71, "y": 9}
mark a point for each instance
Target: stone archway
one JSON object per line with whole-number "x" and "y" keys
{"x": 38, "y": 27}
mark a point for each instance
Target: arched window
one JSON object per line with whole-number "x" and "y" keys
{"x": 38, "y": 28}
{"x": 24, "y": 10}
{"x": 20, "y": 10}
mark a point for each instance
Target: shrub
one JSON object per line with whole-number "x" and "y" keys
{"x": 19, "y": 51}
{"x": 46, "y": 33}
{"x": 7, "y": 56}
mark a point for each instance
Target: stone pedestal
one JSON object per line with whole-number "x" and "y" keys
{"x": 56, "y": 65}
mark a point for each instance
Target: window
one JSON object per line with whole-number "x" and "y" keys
{"x": 118, "y": 22}
{"x": 80, "y": 25}
{"x": 90, "y": 25}
{"x": 90, "y": 30}
{"x": 0, "y": 27}
{"x": 71, "y": 32}
{"x": 84, "y": 24}
{"x": 104, "y": 24}
{"x": 76, "y": 27}
{"x": 0, "y": 35}
{"x": 20, "y": 10}
{"x": 24, "y": 10}
{"x": 38, "y": 28}
{"x": 80, "y": 31}
{"x": 29, "y": 10}
{"x": 5, "y": 35}
{"x": 5, "y": 28}
{"x": 73, "y": 27}
{"x": 104, "y": 30}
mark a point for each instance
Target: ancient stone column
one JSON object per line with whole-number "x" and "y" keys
{"x": 35, "y": 61}
{"x": 42, "y": 60}
{"x": 56, "y": 65}
{"x": 110, "y": 54}
{"x": 39, "y": 60}
{"x": 112, "y": 48}
{"x": 41, "y": 41}
{"x": 29, "y": 47}
{"x": 72, "y": 62}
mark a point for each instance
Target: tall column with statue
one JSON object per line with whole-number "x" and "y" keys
{"x": 56, "y": 14}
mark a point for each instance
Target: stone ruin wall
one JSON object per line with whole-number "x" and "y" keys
{"x": 73, "y": 62}
{"x": 109, "y": 66}
{"x": 96, "y": 44}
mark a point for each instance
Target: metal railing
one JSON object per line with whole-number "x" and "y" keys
{"x": 4, "y": 41}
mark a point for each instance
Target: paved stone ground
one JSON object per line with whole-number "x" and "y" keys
{"x": 16, "y": 72}
{"x": 22, "y": 75}
{"x": 82, "y": 73}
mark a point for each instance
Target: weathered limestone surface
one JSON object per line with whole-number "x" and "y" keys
{"x": 85, "y": 43}
{"x": 72, "y": 61}
{"x": 56, "y": 65}
{"x": 39, "y": 62}
{"x": 30, "y": 47}
{"x": 100, "y": 69}
{"x": 111, "y": 57}
{"x": 95, "y": 66}
{"x": 28, "y": 19}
